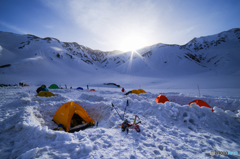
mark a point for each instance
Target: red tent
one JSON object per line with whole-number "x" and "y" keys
{"x": 201, "y": 103}
{"x": 92, "y": 89}
{"x": 161, "y": 99}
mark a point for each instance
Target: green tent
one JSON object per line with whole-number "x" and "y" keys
{"x": 53, "y": 86}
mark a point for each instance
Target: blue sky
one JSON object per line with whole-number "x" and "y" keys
{"x": 119, "y": 24}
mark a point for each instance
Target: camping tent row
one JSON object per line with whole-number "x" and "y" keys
{"x": 54, "y": 86}
{"x": 43, "y": 92}
{"x": 162, "y": 99}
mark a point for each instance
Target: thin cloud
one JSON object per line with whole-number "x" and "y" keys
{"x": 15, "y": 28}
{"x": 49, "y": 26}
{"x": 108, "y": 24}
{"x": 116, "y": 22}
{"x": 102, "y": 17}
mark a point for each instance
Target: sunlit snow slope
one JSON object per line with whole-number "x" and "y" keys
{"x": 211, "y": 61}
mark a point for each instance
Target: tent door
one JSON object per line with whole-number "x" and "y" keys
{"x": 76, "y": 120}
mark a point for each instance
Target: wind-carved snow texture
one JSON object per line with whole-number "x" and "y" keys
{"x": 170, "y": 130}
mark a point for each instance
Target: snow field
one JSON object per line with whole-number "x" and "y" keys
{"x": 170, "y": 130}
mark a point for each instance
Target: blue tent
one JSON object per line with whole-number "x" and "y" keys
{"x": 80, "y": 88}
{"x": 40, "y": 89}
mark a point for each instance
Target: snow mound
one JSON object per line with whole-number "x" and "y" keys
{"x": 90, "y": 97}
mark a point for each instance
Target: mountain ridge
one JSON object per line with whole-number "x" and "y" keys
{"x": 217, "y": 53}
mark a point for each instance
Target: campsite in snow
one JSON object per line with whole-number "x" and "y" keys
{"x": 119, "y": 79}
{"x": 37, "y": 117}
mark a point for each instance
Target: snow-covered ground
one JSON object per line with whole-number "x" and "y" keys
{"x": 206, "y": 68}
{"x": 170, "y": 130}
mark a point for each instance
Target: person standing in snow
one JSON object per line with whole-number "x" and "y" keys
{"x": 87, "y": 87}
{"x": 123, "y": 90}
{"x": 65, "y": 86}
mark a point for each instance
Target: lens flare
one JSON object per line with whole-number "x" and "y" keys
{"x": 148, "y": 63}
{"x": 131, "y": 43}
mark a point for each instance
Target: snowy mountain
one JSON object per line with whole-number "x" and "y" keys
{"x": 29, "y": 56}
{"x": 52, "y": 48}
{"x": 219, "y": 53}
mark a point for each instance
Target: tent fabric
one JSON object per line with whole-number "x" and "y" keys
{"x": 53, "y": 86}
{"x": 161, "y": 99}
{"x": 45, "y": 94}
{"x": 65, "y": 113}
{"x": 135, "y": 91}
{"x": 92, "y": 89}
{"x": 44, "y": 86}
{"x": 80, "y": 88}
{"x": 40, "y": 89}
{"x": 201, "y": 103}
{"x": 142, "y": 91}
{"x": 26, "y": 85}
{"x": 138, "y": 91}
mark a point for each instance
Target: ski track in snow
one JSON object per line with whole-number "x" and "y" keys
{"x": 170, "y": 130}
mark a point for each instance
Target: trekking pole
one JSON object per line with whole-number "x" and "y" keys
{"x": 139, "y": 121}
{"x": 125, "y": 109}
{"x": 134, "y": 121}
{"x": 117, "y": 112}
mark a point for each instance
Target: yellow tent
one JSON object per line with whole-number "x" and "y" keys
{"x": 65, "y": 113}
{"x": 138, "y": 91}
{"x": 135, "y": 91}
{"x": 141, "y": 91}
{"x": 45, "y": 94}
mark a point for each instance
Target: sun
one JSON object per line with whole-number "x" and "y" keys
{"x": 132, "y": 43}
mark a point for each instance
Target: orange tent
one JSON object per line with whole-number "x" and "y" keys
{"x": 65, "y": 113}
{"x": 26, "y": 85}
{"x": 201, "y": 103}
{"x": 92, "y": 89}
{"x": 161, "y": 99}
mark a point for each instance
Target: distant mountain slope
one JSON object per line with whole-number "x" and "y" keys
{"x": 24, "y": 54}
{"x": 219, "y": 53}
{"x": 55, "y": 48}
